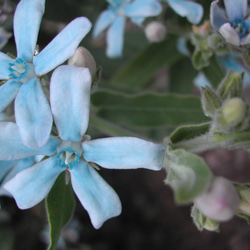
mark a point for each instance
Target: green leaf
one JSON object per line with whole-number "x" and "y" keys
{"x": 211, "y": 102}
{"x": 135, "y": 75}
{"x": 213, "y": 72}
{"x": 60, "y": 204}
{"x": 182, "y": 83}
{"x": 148, "y": 110}
{"x": 200, "y": 59}
{"x": 188, "y": 175}
{"x": 184, "y": 133}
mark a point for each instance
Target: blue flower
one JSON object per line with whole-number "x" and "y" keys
{"x": 233, "y": 23}
{"x": 32, "y": 110}
{"x": 114, "y": 19}
{"x": 74, "y": 152}
{"x": 192, "y": 11}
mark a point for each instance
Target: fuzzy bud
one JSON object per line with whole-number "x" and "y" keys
{"x": 232, "y": 113}
{"x": 231, "y": 86}
{"x": 155, "y": 31}
{"x": 220, "y": 201}
{"x": 83, "y": 58}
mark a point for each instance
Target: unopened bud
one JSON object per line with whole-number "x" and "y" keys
{"x": 232, "y": 113}
{"x": 231, "y": 86}
{"x": 155, "y": 31}
{"x": 220, "y": 202}
{"x": 83, "y": 58}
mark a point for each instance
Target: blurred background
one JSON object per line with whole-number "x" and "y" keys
{"x": 150, "y": 219}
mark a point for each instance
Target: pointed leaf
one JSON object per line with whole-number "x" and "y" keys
{"x": 60, "y": 205}
{"x": 148, "y": 110}
{"x": 135, "y": 75}
{"x": 188, "y": 132}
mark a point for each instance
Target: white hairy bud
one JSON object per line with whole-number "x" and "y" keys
{"x": 83, "y": 58}
{"x": 155, "y": 31}
{"x": 220, "y": 201}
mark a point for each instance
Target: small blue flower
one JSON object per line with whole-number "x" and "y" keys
{"x": 32, "y": 111}
{"x": 233, "y": 23}
{"x": 192, "y": 11}
{"x": 73, "y": 151}
{"x": 114, "y": 19}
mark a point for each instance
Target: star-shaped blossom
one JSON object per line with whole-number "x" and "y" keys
{"x": 32, "y": 111}
{"x": 114, "y": 19}
{"x": 191, "y": 10}
{"x": 233, "y": 22}
{"x": 70, "y": 100}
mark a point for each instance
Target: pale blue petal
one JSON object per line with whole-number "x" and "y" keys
{"x": 115, "y": 38}
{"x": 245, "y": 39}
{"x": 3, "y": 116}
{"x": 19, "y": 166}
{"x": 138, "y": 20}
{"x": 5, "y": 168}
{"x": 27, "y": 21}
{"x": 124, "y": 153}
{"x": 62, "y": 47}
{"x": 8, "y": 92}
{"x": 33, "y": 114}
{"x": 70, "y": 89}
{"x": 12, "y": 147}
{"x": 182, "y": 46}
{"x": 32, "y": 185}
{"x": 143, "y": 8}
{"x": 193, "y": 11}
{"x": 103, "y": 22}
{"x": 236, "y": 9}
{"x": 232, "y": 63}
{"x": 4, "y": 66}
{"x": 95, "y": 195}
{"x": 217, "y": 16}
{"x": 201, "y": 80}
{"x": 230, "y": 35}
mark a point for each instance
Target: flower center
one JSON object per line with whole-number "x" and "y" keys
{"x": 69, "y": 153}
{"x": 239, "y": 26}
{"x": 21, "y": 71}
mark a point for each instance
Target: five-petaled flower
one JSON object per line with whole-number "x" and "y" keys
{"x": 114, "y": 19}
{"x": 233, "y": 23}
{"x": 72, "y": 151}
{"x": 32, "y": 111}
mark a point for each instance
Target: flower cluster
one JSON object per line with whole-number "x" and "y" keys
{"x": 233, "y": 23}
{"x": 27, "y": 138}
{"x": 46, "y": 105}
{"x": 114, "y": 18}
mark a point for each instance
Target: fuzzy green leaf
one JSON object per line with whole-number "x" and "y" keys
{"x": 148, "y": 110}
{"x": 188, "y": 132}
{"x": 188, "y": 175}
